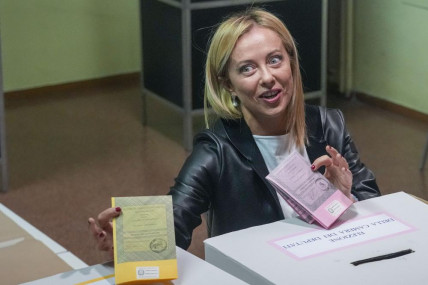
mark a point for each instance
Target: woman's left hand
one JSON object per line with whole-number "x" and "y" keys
{"x": 336, "y": 170}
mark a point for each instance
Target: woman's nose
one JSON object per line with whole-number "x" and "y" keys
{"x": 266, "y": 77}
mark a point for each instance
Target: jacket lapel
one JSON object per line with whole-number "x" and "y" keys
{"x": 314, "y": 129}
{"x": 241, "y": 137}
{"x": 316, "y": 148}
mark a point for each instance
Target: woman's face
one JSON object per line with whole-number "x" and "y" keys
{"x": 260, "y": 75}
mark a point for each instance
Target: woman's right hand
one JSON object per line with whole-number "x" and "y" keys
{"x": 102, "y": 229}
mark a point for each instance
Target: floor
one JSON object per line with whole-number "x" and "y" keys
{"x": 69, "y": 153}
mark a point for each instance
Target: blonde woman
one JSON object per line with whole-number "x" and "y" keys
{"x": 254, "y": 87}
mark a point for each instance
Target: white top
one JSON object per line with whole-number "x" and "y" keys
{"x": 274, "y": 150}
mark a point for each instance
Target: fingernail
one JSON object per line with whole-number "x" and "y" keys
{"x": 312, "y": 167}
{"x": 118, "y": 209}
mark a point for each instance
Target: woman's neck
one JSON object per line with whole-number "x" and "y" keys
{"x": 267, "y": 127}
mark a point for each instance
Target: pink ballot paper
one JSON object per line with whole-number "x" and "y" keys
{"x": 309, "y": 193}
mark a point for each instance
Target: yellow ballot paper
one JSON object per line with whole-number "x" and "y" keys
{"x": 144, "y": 240}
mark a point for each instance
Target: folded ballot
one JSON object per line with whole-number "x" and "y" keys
{"x": 144, "y": 240}
{"x": 309, "y": 193}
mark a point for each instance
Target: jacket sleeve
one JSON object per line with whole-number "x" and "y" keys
{"x": 364, "y": 184}
{"x": 191, "y": 193}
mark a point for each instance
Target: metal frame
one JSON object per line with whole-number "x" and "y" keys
{"x": 3, "y": 155}
{"x": 187, "y": 7}
{"x": 424, "y": 155}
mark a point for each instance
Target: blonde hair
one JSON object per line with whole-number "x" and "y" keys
{"x": 217, "y": 95}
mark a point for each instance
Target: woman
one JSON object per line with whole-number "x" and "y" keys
{"x": 254, "y": 87}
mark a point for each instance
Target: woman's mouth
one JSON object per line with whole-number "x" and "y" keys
{"x": 271, "y": 96}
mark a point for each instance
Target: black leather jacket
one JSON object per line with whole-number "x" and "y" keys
{"x": 225, "y": 175}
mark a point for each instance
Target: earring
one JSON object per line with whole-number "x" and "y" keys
{"x": 235, "y": 101}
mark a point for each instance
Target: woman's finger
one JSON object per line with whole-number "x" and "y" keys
{"x": 331, "y": 150}
{"x": 338, "y": 159}
{"x": 105, "y": 217}
{"x": 324, "y": 160}
{"x": 104, "y": 244}
{"x": 100, "y": 236}
{"x": 95, "y": 230}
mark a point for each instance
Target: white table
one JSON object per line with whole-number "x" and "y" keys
{"x": 27, "y": 253}
{"x": 191, "y": 271}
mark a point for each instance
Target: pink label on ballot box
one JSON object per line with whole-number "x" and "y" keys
{"x": 354, "y": 232}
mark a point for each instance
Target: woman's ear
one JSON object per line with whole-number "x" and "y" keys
{"x": 225, "y": 83}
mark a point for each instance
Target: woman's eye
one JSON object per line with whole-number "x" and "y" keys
{"x": 246, "y": 69}
{"x": 275, "y": 59}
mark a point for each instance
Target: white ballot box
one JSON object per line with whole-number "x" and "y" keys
{"x": 294, "y": 252}
{"x": 191, "y": 271}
